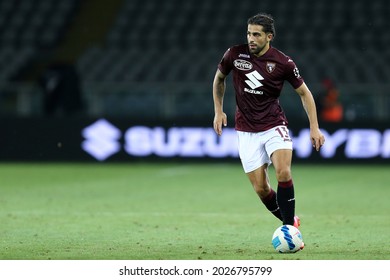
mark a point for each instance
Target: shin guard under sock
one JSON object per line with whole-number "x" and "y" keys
{"x": 286, "y": 201}
{"x": 272, "y": 205}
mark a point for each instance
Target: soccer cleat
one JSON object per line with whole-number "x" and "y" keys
{"x": 297, "y": 222}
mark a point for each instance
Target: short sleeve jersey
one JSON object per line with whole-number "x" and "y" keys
{"x": 258, "y": 82}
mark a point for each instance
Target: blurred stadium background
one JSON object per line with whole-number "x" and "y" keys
{"x": 154, "y": 61}
{"x": 131, "y": 81}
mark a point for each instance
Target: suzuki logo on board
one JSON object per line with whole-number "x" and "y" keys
{"x": 102, "y": 140}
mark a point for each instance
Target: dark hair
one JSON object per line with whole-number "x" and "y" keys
{"x": 264, "y": 20}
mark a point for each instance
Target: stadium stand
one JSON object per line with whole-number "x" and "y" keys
{"x": 155, "y": 44}
{"x": 29, "y": 29}
{"x": 196, "y": 31}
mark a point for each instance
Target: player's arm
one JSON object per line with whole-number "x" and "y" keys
{"x": 219, "y": 86}
{"x": 317, "y": 138}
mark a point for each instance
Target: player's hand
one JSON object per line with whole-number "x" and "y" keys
{"x": 317, "y": 138}
{"x": 219, "y": 120}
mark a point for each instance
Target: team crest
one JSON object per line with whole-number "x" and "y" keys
{"x": 270, "y": 67}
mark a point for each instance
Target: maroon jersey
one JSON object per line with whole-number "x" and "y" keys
{"x": 258, "y": 82}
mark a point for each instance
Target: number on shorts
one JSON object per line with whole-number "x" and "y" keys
{"x": 283, "y": 132}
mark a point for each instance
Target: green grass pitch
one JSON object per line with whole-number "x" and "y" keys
{"x": 186, "y": 211}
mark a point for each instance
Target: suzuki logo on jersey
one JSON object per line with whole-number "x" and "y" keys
{"x": 241, "y": 64}
{"x": 253, "y": 81}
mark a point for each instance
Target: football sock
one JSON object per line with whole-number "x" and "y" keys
{"x": 272, "y": 205}
{"x": 286, "y": 201}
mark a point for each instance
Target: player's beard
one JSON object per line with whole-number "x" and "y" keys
{"x": 257, "y": 49}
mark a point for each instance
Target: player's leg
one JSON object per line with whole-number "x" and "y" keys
{"x": 255, "y": 161}
{"x": 281, "y": 160}
{"x": 261, "y": 185}
{"x": 279, "y": 148}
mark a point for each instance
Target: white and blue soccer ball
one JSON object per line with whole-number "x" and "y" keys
{"x": 287, "y": 239}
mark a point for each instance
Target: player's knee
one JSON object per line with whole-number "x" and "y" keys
{"x": 283, "y": 174}
{"x": 262, "y": 190}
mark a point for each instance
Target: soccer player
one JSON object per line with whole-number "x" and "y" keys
{"x": 259, "y": 71}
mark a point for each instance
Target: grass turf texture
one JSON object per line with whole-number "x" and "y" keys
{"x": 186, "y": 211}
